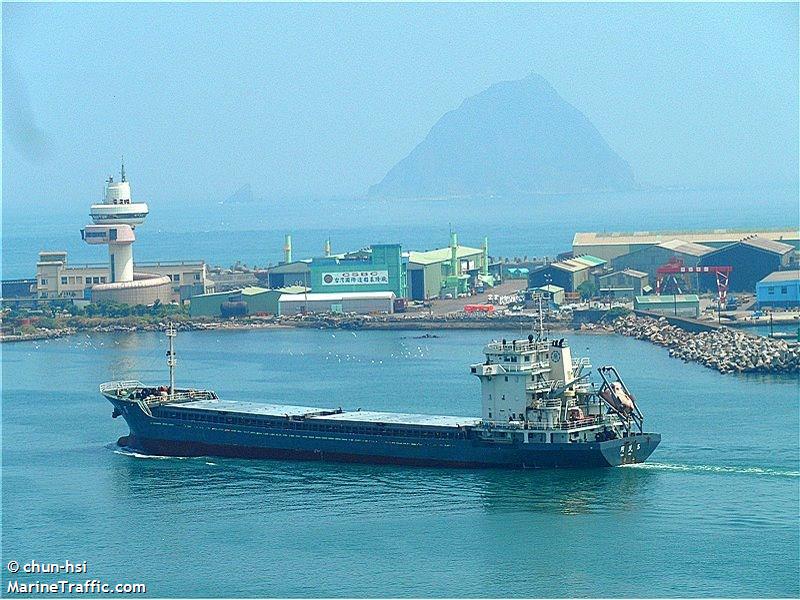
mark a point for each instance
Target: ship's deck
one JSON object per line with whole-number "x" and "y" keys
{"x": 254, "y": 408}
{"x": 328, "y": 414}
{"x": 368, "y": 416}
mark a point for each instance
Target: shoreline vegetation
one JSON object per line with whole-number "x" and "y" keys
{"x": 73, "y": 325}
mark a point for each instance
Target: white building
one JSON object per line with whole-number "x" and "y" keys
{"x": 119, "y": 280}
{"x": 347, "y": 302}
{"x": 56, "y": 279}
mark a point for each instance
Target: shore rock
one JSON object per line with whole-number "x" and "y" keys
{"x": 726, "y": 350}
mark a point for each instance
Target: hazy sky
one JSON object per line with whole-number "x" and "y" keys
{"x": 320, "y": 100}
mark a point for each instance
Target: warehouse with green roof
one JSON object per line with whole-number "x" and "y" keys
{"x": 247, "y": 301}
{"x": 436, "y": 273}
{"x": 568, "y": 273}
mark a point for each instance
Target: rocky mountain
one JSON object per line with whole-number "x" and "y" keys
{"x": 516, "y": 137}
{"x": 244, "y": 195}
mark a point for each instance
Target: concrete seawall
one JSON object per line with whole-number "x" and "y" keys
{"x": 685, "y": 323}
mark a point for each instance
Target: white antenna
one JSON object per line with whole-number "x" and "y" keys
{"x": 541, "y": 318}
{"x": 171, "y": 360}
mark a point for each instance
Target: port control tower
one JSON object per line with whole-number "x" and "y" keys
{"x": 114, "y": 221}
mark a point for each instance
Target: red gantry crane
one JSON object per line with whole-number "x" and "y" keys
{"x": 675, "y": 267}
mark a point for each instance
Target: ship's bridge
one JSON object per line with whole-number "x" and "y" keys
{"x": 518, "y": 375}
{"x": 515, "y": 355}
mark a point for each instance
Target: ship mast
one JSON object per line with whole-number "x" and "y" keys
{"x": 171, "y": 360}
{"x": 541, "y": 318}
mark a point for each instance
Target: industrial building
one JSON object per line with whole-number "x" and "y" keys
{"x": 348, "y": 302}
{"x": 649, "y": 259}
{"x": 680, "y": 305}
{"x": 752, "y": 259}
{"x": 518, "y": 268}
{"x": 57, "y": 280}
{"x": 779, "y": 289}
{"x": 451, "y": 270}
{"x": 611, "y": 245}
{"x": 144, "y": 288}
{"x": 567, "y": 274}
{"x": 626, "y": 283}
{"x": 552, "y": 293}
{"x": 379, "y": 268}
{"x": 296, "y": 272}
{"x": 236, "y": 278}
{"x": 385, "y": 268}
{"x": 251, "y": 300}
{"x": 18, "y": 292}
{"x": 515, "y": 272}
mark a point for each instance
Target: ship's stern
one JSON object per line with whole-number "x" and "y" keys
{"x": 631, "y": 449}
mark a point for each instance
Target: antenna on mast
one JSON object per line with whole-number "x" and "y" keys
{"x": 123, "y": 169}
{"x": 541, "y": 318}
{"x": 171, "y": 360}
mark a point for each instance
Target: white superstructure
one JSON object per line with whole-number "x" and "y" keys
{"x": 534, "y": 385}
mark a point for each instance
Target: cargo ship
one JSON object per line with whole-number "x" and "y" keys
{"x": 539, "y": 410}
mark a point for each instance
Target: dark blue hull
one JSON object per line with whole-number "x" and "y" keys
{"x": 533, "y": 456}
{"x": 448, "y": 447}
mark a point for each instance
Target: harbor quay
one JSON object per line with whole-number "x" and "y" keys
{"x": 700, "y": 280}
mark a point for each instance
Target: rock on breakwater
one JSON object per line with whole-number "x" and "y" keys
{"x": 724, "y": 349}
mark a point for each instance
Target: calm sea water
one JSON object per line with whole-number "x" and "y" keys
{"x": 516, "y": 227}
{"x": 714, "y": 514}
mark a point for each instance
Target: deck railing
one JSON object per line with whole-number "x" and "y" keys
{"x": 564, "y": 425}
{"x": 180, "y": 397}
{"x": 126, "y": 384}
{"x": 517, "y": 346}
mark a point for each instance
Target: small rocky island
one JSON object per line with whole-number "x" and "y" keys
{"x": 514, "y": 138}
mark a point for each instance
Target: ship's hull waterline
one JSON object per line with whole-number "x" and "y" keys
{"x": 156, "y": 436}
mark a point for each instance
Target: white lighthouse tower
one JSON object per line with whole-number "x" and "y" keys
{"x": 114, "y": 221}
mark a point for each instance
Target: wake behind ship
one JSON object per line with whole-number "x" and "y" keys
{"x": 538, "y": 411}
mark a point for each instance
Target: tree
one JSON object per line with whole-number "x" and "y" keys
{"x": 587, "y": 290}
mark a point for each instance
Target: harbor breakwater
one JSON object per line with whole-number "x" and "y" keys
{"x": 724, "y": 349}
